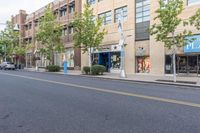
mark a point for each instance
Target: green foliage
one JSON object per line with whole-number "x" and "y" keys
{"x": 86, "y": 69}
{"x": 49, "y": 35}
{"x": 19, "y": 50}
{"x": 164, "y": 30}
{"x": 195, "y": 20}
{"x": 88, "y": 32}
{"x": 9, "y": 39}
{"x": 98, "y": 69}
{"x": 53, "y": 68}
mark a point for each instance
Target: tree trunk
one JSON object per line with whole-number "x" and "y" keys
{"x": 174, "y": 66}
{"x": 90, "y": 62}
{"x": 52, "y": 58}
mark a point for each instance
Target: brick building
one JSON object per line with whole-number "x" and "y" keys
{"x": 64, "y": 11}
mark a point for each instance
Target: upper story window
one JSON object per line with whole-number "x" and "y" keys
{"x": 36, "y": 23}
{"x": 63, "y": 12}
{"x": 142, "y": 11}
{"x": 121, "y": 13}
{"x": 70, "y": 30}
{"x": 107, "y": 17}
{"x": 191, "y": 2}
{"x": 91, "y": 2}
{"x": 26, "y": 27}
{"x": 64, "y": 31}
{"x": 72, "y": 7}
{"x": 30, "y": 26}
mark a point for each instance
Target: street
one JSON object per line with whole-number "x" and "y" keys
{"x": 32, "y": 102}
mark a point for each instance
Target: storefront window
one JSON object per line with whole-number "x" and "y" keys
{"x": 184, "y": 64}
{"x": 95, "y": 59}
{"x": 69, "y": 55}
{"x": 143, "y": 64}
{"x": 168, "y": 64}
{"x": 115, "y": 60}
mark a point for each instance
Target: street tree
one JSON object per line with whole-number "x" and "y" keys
{"x": 89, "y": 33}
{"x": 9, "y": 39}
{"x": 166, "y": 29}
{"x": 195, "y": 20}
{"x": 49, "y": 35}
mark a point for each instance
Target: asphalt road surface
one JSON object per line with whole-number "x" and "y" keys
{"x": 33, "y": 102}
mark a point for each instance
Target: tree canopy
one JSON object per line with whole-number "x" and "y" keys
{"x": 168, "y": 22}
{"x": 49, "y": 35}
{"x": 9, "y": 39}
{"x": 88, "y": 30}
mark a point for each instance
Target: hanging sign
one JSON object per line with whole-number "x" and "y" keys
{"x": 193, "y": 46}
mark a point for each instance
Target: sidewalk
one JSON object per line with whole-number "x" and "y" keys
{"x": 182, "y": 80}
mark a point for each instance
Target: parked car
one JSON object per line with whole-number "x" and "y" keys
{"x": 7, "y": 66}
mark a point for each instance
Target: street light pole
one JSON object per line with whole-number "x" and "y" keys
{"x": 121, "y": 43}
{"x": 5, "y": 53}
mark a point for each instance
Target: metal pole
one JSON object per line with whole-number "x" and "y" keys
{"x": 122, "y": 72}
{"x": 5, "y": 52}
{"x": 121, "y": 43}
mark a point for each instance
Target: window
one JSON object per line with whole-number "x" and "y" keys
{"x": 190, "y": 2}
{"x": 107, "y": 17}
{"x": 142, "y": 19}
{"x": 36, "y": 23}
{"x": 64, "y": 31}
{"x": 91, "y": 2}
{"x": 142, "y": 11}
{"x": 70, "y": 30}
{"x": 72, "y": 7}
{"x": 121, "y": 12}
{"x": 63, "y": 12}
{"x": 30, "y": 26}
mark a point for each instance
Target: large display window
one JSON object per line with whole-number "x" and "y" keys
{"x": 184, "y": 64}
{"x": 115, "y": 60}
{"x": 143, "y": 64}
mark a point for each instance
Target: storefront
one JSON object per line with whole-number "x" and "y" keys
{"x": 68, "y": 56}
{"x": 143, "y": 64}
{"x": 142, "y": 59}
{"x": 108, "y": 56}
{"x": 189, "y": 61}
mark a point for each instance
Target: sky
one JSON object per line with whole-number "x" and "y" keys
{"x": 12, "y": 7}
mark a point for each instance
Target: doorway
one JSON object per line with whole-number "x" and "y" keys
{"x": 104, "y": 59}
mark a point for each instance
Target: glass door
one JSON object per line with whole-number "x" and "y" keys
{"x": 192, "y": 64}
{"x": 182, "y": 64}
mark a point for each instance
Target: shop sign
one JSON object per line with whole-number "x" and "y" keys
{"x": 140, "y": 51}
{"x": 193, "y": 46}
{"x": 115, "y": 48}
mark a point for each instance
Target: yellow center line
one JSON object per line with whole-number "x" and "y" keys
{"x": 165, "y": 100}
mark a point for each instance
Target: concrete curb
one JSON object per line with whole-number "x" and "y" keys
{"x": 139, "y": 81}
{"x": 195, "y": 86}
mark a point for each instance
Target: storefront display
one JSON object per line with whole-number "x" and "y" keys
{"x": 108, "y": 56}
{"x": 184, "y": 64}
{"x": 143, "y": 64}
{"x": 115, "y": 60}
{"x": 69, "y": 55}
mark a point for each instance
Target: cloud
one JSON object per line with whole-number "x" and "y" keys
{"x": 12, "y": 7}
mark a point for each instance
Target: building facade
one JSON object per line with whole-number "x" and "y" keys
{"x": 64, "y": 11}
{"x": 143, "y": 54}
